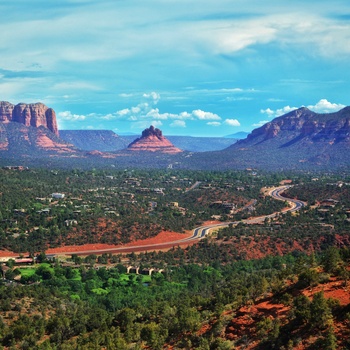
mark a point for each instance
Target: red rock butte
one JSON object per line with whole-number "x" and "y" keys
{"x": 152, "y": 140}
{"x": 34, "y": 114}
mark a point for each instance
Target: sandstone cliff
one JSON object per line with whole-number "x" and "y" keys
{"x": 152, "y": 140}
{"x": 17, "y": 140}
{"x": 34, "y": 114}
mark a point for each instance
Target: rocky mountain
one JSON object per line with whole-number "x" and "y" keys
{"x": 17, "y": 140}
{"x": 301, "y": 139}
{"x": 152, "y": 140}
{"x": 108, "y": 141}
{"x": 303, "y": 125}
{"x": 99, "y": 140}
{"x": 34, "y": 114}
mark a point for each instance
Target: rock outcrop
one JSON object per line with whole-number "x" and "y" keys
{"x": 305, "y": 125}
{"x": 18, "y": 140}
{"x": 152, "y": 140}
{"x": 34, "y": 114}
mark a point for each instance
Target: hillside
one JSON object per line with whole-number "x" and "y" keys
{"x": 108, "y": 141}
{"x": 18, "y": 140}
{"x": 99, "y": 140}
{"x": 301, "y": 139}
{"x": 152, "y": 140}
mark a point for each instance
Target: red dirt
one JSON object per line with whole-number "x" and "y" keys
{"x": 247, "y": 317}
{"x": 162, "y": 237}
{"x": 333, "y": 289}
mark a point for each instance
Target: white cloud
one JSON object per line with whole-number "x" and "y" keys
{"x": 232, "y": 122}
{"x": 324, "y": 106}
{"x": 271, "y": 113}
{"x": 178, "y": 124}
{"x": 147, "y": 110}
{"x": 68, "y": 115}
{"x": 214, "y": 123}
{"x": 155, "y": 97}
{"x": 156, "y": 123}
{"x": 261, "y": 123}
{"x": 201, "y": 115}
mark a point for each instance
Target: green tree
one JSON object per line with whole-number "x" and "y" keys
{"x": 330, "y": 340}
{"x": 321, "y": 315}
{"x": 331, "y": 259}
{"x": 301, "y": 309}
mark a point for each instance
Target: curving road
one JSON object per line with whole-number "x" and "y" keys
{"x": 202, "y": 231}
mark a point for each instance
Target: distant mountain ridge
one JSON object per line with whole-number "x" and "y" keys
{"x": 303, "y": 125}
{"x": 296, "y": 140}
{"x": 108, "y": 141}
{"x": 238, "y": 135}
{"x": 299, "y": 140}
{"x": 100, "y": 140}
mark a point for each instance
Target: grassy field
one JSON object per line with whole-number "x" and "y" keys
{"x": 27, "y": 271}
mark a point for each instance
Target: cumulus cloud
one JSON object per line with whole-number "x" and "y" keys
{"x": 148, "y": 110}
{"x": 322, "y": 106}
{"x": 201, "y": 115}
{"x": 276, "y": 113}
{"x": 67, "y": 115}
{"x": 146, "y": 113}
{"x": 178, "y": 124}
{"x": 232, "y": 122}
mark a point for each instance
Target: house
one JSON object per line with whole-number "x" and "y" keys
{"x": 329, "y": 203}
{"x": 70, "y": 222}
{"x": 58, "y": 195}
{"x": 45, "y": 211}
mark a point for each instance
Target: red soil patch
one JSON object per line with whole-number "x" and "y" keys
{"x": 334, "y": 289}
{"x": 248, "y": 316}
{"x": 162, "y": 237}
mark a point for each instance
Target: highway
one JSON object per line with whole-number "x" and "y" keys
{"x": 202, "y": 231}
{"x": 276, "y": 193}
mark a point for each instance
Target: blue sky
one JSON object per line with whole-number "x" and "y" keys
{"x": 200, "y": 68}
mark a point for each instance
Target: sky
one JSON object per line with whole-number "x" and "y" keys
{"x": 198, "y": 68}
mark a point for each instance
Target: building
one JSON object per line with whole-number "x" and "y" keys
{"x": 58, "y": 195}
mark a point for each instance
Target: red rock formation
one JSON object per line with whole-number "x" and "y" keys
{"x": 18, "y": 140}
{"x": 152, "y": 140}
{"x": 34, "y": 114}
{"x": 303, "y": 123}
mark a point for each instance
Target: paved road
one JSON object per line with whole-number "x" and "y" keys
{"x": 275, "y": 192}
{"x": 202, "y": 231}
{"x": 196, "y": 184}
